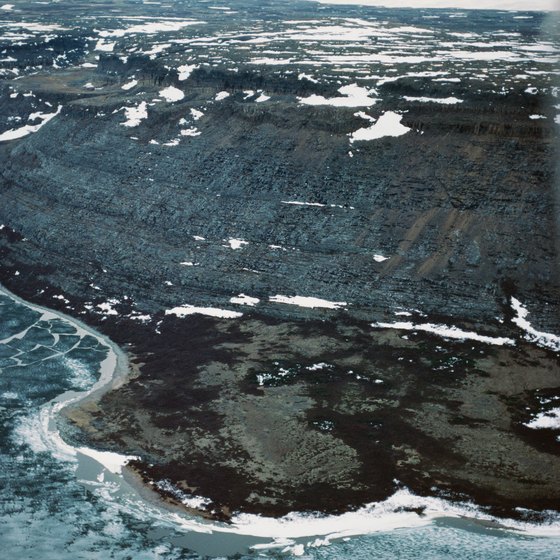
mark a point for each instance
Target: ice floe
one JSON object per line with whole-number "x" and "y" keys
{"x": 387, "y": 125}
{"x": 185, "y": 310}
{"x": 395, "y": 512}
{"x": 311, "y": 302}
{"x": 221, "y": 95}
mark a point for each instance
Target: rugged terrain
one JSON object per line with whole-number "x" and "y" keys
{"x": 202, "y": 168}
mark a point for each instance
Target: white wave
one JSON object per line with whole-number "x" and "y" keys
{"x": 39, "y": 433}
{"x": 82, "y": 376}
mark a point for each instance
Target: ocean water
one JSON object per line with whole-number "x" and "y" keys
{"x": 58, "y": 502}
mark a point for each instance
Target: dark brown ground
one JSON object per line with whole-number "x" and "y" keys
{"x": 437, "y": 416}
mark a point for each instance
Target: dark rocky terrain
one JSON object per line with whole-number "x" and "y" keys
{"x": 118, "y": 224}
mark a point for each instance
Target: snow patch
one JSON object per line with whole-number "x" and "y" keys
{"x": 185, "y": 71}
{"x": 16, "y": 133}
{"x": 172, "y": 94}
{"x": 446, "y": 331}
{"x": 106, "y": 308}
{"x": 184, "y": 310}
{"x": 235, "y": 243}
{"x": 193, "y": 131}
{"x": 243, "y": 299}
{"x": 130, "y": 85}
{"x": 307, "y": 77}
{"x": 545, "y": 340}
{"x": 311, "y": 302}
{"x": 388, "y": 125}
{"x": 353, "y": 95}
{"x": 549, "y": 420}
{"x": 135, "y": 115}
{"x": 105, "y": 46}
{"x": 440, "y": 100}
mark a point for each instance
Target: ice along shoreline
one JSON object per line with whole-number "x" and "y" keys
{"x": 392, "y": 513}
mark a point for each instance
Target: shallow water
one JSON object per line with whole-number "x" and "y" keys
{"x": 56, "y": 503}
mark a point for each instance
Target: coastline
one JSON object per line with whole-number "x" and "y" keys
{"x": 403, "y": 509}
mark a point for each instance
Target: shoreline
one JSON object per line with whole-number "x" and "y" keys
{"x": 401, "y": 510}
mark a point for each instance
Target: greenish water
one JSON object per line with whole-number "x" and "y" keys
{"x": 58, "y": 503}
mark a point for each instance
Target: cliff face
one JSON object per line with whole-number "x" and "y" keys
{"x": 458, "y": 205}
{"x": 189, "y": 168}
